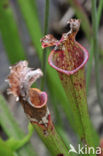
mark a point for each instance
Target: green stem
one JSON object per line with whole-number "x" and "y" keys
{"x": 10, "y": 34}
{"x": 89, "y": 67}
{"x": 52, "y": 141}
{"x": 5, "y": 150}
{"x": 26, "y": 139}
{"x": 44, "y": 55}
{"x": 29, "y": 13}
{"x": 89, "y": 64}
{"x": 89, "y": 137}
{"x": 15, "y": 144}
{"x": 96, "y": 53}
{"x": 56, "y": 110}
{"x": 60, "y": 98}
{"x": 13, "y": 130}
{"x": 46, "y": 16}
{"x": 99, "y": 12}
{"x": 65, "y": 137}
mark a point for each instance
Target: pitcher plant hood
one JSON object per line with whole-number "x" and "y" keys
{"x": 68, "y": 56}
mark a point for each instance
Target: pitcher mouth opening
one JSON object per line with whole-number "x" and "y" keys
{"x": 84, "y": 58}
{"x": 38, "y": 98}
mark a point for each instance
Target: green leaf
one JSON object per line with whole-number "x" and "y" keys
{"x": 5, "y": 150}
{"x": 12, "y": 129}
{"x": 10, "y": 34}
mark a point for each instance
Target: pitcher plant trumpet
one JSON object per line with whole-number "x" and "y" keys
{"x": 68, "y": 58}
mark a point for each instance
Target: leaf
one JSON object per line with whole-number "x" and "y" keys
{"x": 5, "y": 149}
{"x": 12, "y": 129}
{"x": 10, "y": 34}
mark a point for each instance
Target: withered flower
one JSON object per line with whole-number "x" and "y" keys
{"x": 34, "y": 101}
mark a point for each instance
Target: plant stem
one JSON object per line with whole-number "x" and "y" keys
{"x": 63, "y": 134}
{"x": 29, "y": 12}
{"x": 96, "y": 53}
{"x": 10, "y": 34}
{"x": 52, "y": 141}
{"x": 89, "y": 67}
{"x": 13, "y": 130}
{"x": 44, "y": 55}
{"x": 5, "y": 149}
{"x": 46, "y": 16}
{"x": 22, "y": 142}
{"x": 99, "y": 12}
{"x": 89, "y": 64}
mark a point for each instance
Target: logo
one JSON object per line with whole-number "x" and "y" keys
{"x": 84, "y": 149}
